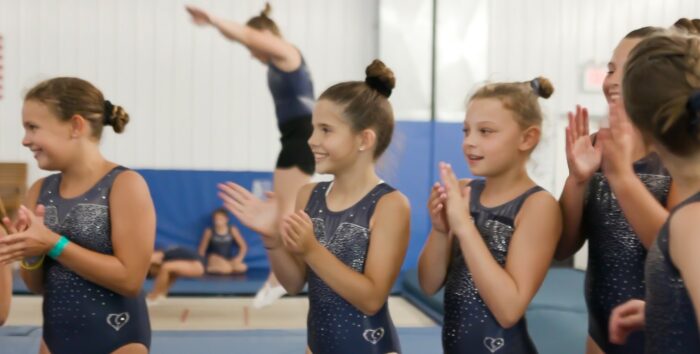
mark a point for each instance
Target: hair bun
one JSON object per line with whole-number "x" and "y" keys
{"x": 266, "y": 11}
{"x": 114, "y": 116}
{"x": 542, "y": 87}
{"x": 380, "y": 78}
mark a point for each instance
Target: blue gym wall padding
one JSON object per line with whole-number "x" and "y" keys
{"x": 184, "y": 199}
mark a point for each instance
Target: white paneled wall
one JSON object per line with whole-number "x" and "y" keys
{"x": 406, "y": 44}
{"x": 196, "y": 100}
{"x": 525, "y": 39}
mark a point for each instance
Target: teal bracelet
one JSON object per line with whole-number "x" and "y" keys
{"x": 58, "y": 247}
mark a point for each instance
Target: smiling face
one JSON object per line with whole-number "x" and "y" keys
{"x": 494, "y": 141}
{"x": 612, "y": 85}
{"x": 333, "y": 142}
{"x": 50, "y": 139}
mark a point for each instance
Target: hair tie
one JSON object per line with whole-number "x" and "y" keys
{"x": 379, "y": 85}
{"x": 535, "y": 84}
{"x": 693, "y": 109}
{"x": 109, "y": 110}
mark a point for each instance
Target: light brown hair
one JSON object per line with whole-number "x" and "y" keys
{"x": 264, "y": 22}
{"x": 661, "y": 75}
{"x": 69, "y": 96}
{"x": 519, "y": 98}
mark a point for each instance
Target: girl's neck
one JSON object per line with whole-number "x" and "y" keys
{"x": 507, "y": 185}
{"x": 354, "y": 183}
{"x": 84, "y": 171}
{"x": 220, "y": 229}
{"x": 686, "y": 178}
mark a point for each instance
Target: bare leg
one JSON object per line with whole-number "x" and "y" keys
{"x": 238, "y": 267}
{"x": 286, "y": 185}
{"x": 169, "y": 271}
{"x": 592, "y": 347}
{"x": 218, "y": 265}
{"x": 132, "y": 348}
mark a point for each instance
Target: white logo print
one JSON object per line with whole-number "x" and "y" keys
{"x": 117, "y": 320}
{"x": 494, "y": 344}
{"x": 374, "y": 335}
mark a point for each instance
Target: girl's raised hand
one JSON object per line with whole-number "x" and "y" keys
{"x": 258, "y": 215}
{"x": 582, "y": 157}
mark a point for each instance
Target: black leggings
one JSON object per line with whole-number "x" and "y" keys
{"x": 295, "y": 146}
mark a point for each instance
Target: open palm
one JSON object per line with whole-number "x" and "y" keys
{"x": 258, "y": 215}
{"x": 582, "y": 156}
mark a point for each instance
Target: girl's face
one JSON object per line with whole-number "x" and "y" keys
{"x": 333, "y": 142}
{"x": 612, "y": 85}
{"x": 493, "y": 140}
{"x": 220, "y": 219}
{"x": 51, "y": 140}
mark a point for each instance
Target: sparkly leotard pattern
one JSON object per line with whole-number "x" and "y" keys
{"x": 671, "y": 322}
{"x": 469, "y": 325}
{"x": 81, "y": 316}
{"x": 616, "y": 256}
{"x": 334, "y": 325}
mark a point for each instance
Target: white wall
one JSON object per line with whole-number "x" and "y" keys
{"x": 514, "y": 40}
{"x": 405, "y": 45}
{"x": 196, "y": 100}
{"x": 525, "y": 39}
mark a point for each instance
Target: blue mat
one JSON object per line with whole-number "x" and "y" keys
{"x": 25, "y": 340}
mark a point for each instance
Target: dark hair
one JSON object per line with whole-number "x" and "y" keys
{"x": 519, "y": 98}
{"x": 366, "y": 104}
{"x": 219, "y": 211}
{"x": 69, "y": 96}
{"x": 264, "y": 22}
{"x": 661, "y": 77}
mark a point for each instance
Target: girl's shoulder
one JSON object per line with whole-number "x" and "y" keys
{"x": 394, "y": 200}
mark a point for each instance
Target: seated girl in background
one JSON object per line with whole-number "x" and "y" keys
{"x": 218, "y": 244}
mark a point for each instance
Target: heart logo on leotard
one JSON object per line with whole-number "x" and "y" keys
{"x": 374, "y": 335}
{"x": 494, "y": 344}
{"x": 117, "y": 320}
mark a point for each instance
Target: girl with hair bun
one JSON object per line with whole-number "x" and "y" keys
{"x": 289, "y": 81}
{"x": 347, "y": 238}
{"x": 661, "y": 91}
{"x": 85, "y": 235}
{"x": 616, "y": 197}
{"x": 492, "y": 239}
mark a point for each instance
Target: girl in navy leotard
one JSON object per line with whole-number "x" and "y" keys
{"x": 86, "y": 235}
{"x": 289, "y": 81}
{"x": 661, "y": 89}
{"x": 492, "y": 241}
{"x": 350, "y": 239}
{"x": 223, "y": 246}
{"x": 615, "y": 197}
